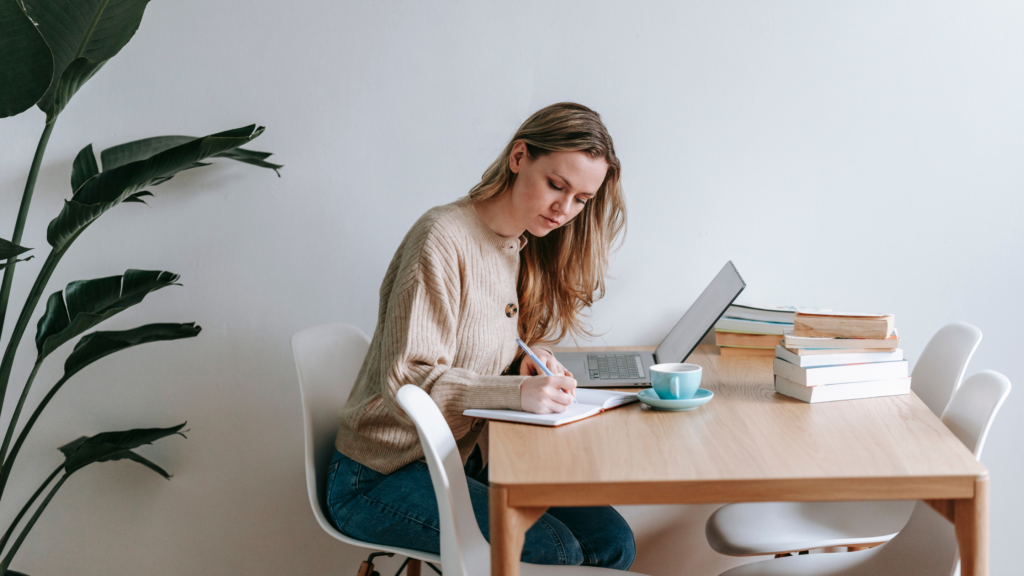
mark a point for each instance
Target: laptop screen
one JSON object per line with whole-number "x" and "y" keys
{"x": 701, "y": 317}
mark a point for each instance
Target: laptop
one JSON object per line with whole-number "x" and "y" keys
{"x": 632, "y": 368}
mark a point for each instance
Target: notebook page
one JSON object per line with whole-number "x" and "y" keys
{"x": 604, "y": 398}
{"x": 572, "y": 413}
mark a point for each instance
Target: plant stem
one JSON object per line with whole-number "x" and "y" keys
{"x": 24, "y": 510}
{"x": 21, "y": 537}
{"x": 5, "y": 471}
{"x": 52, "y": 259}
{"x": 17, "y": 413}
{"x": 19, "y": 226}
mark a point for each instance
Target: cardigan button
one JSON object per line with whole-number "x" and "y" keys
{"x": 511, "y": 310}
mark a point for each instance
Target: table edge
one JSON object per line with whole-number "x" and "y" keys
{"x": 753, "y": 490}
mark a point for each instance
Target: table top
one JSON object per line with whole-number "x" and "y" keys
{"x": 747, "y": 444}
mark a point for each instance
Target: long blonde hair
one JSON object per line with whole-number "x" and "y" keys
{"x": 561, "y": 273}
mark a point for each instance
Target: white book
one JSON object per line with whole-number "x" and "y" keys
{"x": 784, "y": 314}
{"x": 588, "y": 403}
{"x": 826, "y": 375}
{"x": 838, "y": 359}
{"x": 791, "y": 341}
{"x": 852, "y": 391}
{"x": 752, "y": 326}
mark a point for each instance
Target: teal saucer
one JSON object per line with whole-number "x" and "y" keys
{"x": 650, "y": 397}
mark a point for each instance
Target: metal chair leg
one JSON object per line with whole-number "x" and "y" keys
{"x": 366, "y": 568}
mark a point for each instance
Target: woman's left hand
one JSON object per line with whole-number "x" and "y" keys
{"x": 529, "y": 368}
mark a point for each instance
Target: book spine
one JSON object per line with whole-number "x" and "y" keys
{"x": 826, "y": 375}
{"x": 839, "y": 327}
{"x": 852, "y": 391}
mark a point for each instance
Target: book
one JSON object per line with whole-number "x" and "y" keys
{"x": 853, "y": 391}
{"x": 751, "y": 326}
{"x": 825, "y": 375}
{"x": 741, "y": 340}
{"x": 843, "y": 325}
{"x": 792, "y": 341}
{"x": 762, "y": 313}
{"x": 588, "y": 403}
{"x": 838, "y": 359}
{"x": 729, "y": 351}
{"x": 831, "y": 351}
{"x": 783, "y": 314}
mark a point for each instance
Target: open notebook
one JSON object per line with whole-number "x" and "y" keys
{"x": 588, "y": 403}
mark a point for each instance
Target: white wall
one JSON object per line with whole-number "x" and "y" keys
{"x": 856, "y": 155}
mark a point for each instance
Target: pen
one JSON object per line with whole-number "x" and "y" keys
{"x": 538, "y": 362}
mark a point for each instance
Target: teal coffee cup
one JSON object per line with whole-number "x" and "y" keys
{"x": 675, "y": 381}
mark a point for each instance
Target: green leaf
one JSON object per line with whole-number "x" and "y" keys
{"x": 26, "y": 65}
{"x": 97, "y": 345}
{"x": 74, "y": 77}
{"x": 86, "y": 303}
{"x": 9, "y": 249}
{"x": 83, "y": 168}
{"x": 83, "y": 35}
{"x": 6, "y": 264}
{"x": 137, "y": 197}
{"x": 142, "y": 149}
{"x": 110, "y": 187}
{"x": 109, "y": 446}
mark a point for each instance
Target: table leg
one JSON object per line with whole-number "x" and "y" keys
{"x": 413, "y": 568}
{"x": 971, "y": 518}
{"x": 508, "y": 531}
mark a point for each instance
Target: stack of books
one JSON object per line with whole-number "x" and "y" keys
{"x": 748, "y": 330}
{"x": 831, "y": 356}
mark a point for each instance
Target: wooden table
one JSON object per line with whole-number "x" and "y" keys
{"x": 748, "y": 444}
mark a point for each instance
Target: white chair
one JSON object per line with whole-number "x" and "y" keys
{"x": 327, "y": 359}
{"x": 760, "y": 528}
{"x": 927, "y": 546}
{"x": 464, "y": 551}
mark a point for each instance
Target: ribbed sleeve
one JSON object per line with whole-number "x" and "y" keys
{"x": 444, "y": 324}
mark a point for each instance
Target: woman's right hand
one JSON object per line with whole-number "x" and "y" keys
{"x": 544, "y": 394}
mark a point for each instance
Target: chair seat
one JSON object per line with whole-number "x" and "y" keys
{"x": 862, "y": 563}
{"x": 545, "y": 570}
{"x": 754, "y": 529}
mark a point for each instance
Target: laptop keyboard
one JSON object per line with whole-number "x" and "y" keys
{"x": 615, "y": 366}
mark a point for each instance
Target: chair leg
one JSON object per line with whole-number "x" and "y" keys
{"x": 856, "y": 548}
{"x": 366, "y": 568}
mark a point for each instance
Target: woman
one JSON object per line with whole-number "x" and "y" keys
{"x": 464, "y": 283}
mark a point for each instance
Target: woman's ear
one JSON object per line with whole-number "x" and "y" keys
{"x": 515, "y": 159}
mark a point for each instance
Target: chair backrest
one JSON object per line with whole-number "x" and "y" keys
{"x": 927, "y": 545}
{"x": 327, "y": 358}
{"x": 973, "y": 408}
{"x": 464, "y": 551}
{"x": 941, "y": 366}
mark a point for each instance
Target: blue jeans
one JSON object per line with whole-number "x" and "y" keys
{"x": 399, "y": 509}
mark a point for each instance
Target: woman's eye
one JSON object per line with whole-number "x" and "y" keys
{"x": 581, "y": 200}
{"x": 552, "y": 184}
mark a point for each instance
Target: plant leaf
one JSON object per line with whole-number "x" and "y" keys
{"x": 110, "y": 187}
{"x": 97, "y": 345}
{"x": 74, "y": 77}
{"x": 70, "y": 448}
{"x": 83, "y": 168}
{"x": 9, "y": 249}
{"x": 137, "y": 197}
{"x": 142, "y": 149}
{"x": 83, "y": 35}
{"x": 26, "y": 65}
{"x": 6, "y": 264}
{"x": 108, "y": 446}
{"x": 86, "y": 303}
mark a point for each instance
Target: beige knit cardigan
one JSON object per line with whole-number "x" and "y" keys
{"x": 446, "y": 324}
